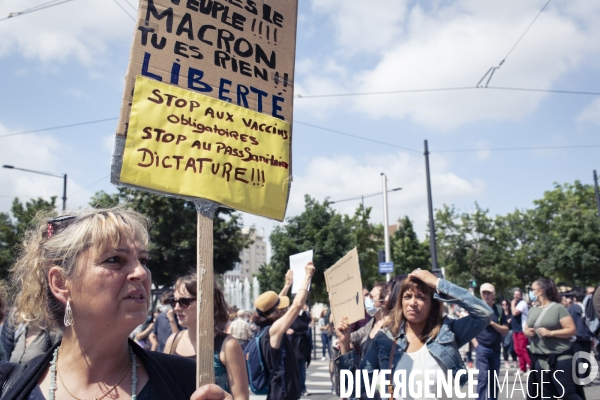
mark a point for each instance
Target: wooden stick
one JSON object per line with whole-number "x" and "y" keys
{"x": 205, "y": 372}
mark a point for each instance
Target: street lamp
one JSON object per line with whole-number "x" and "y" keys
{"x": 63, "y": 176}
{"x": 386, "y": 234}
{"x": 364, "y": 196}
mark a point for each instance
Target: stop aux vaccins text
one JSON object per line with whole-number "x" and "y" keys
{"x": 187, "y": 163}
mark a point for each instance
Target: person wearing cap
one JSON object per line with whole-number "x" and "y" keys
{"x": 488, "y": 345}
{"x": 274, "y": 317}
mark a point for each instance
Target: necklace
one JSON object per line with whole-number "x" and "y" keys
{"x": 54, "y": 372}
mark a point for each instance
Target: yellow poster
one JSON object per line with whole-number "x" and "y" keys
{"x": 188, "y": 144}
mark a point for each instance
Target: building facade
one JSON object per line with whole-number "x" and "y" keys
{"x": 251, "y": 258}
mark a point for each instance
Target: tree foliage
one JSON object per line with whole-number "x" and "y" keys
{"x": 12, "y": 228}
{"x": 173, "y": 233}
{"x": 408, "y": 252}
{"x": 318, "y": 228}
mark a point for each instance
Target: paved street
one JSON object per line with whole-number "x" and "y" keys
{"x": 319, "y": 385}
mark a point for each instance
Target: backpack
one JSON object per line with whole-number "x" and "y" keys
{"x": 258, "y": 376}
{"x": 590, "y": 317}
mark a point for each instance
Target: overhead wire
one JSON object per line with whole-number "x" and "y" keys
{"x": 35, "y": 8}
{"x": 60, "y": 127}
{"x": 90, "y": 185}
{"x": 124, "y": 10}
{"x": 131, "y": 5}
{"x": 343, "y": 134}
{"x": 557, "y": 91}
{"x": 494, "y": 69}
{"x": 355, "y": 136}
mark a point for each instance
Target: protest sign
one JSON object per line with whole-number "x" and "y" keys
{"x": 236, "y": 59}
{"x": 240, "y": 52}
{"x": 194, "y": 145}
{"x": 297, "y": 264}
{"x": 344, "y": 286}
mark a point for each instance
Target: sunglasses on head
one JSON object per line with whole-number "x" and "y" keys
{"x": 184, "y": 302}
{"x": 55, "y": 225}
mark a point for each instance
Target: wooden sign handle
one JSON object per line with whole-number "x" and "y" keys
{"x": 205, "y": 372}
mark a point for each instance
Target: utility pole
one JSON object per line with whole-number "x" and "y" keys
{"x": 386, "y": 232}
{"x": 597, "y": 193}
{"x": 434, "y": 264}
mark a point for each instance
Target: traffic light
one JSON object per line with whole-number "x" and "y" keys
{"x": 473, "y": 283}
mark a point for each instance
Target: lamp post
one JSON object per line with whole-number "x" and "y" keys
{"x": 386, "y": 231}
{"x": 63, "y": 176}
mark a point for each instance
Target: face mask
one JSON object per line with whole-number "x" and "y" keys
{"x": 370, "y": 306}
{"x": 532, "y": 296}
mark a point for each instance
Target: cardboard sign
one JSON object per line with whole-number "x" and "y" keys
{"x": 297, "y": 264}
{"x": 241, "y": 52}
{"x": 344, "y": 286}
{"x": 193, "y": 145}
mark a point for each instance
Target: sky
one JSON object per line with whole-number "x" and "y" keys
{"x": 66, "y": 65}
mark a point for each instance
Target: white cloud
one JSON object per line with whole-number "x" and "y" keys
{"x": 79, "y": 29}
{"x": 363, "y": 26}
{"x": 591, "y": 113}
{"x": 453, "y": 45}
{"x": 34, "y": 152}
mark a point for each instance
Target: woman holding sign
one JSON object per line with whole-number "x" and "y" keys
{"x": 86, "y": 274}
{"x": 417, "y": 336}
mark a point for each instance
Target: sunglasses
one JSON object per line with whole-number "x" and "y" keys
{"x": 57, "y": 224}
{"x": 184, "y": 302}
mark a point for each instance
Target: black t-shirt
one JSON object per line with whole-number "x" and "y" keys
{"x": 300, "y": 338}
{"x": 283, "y": 367}
{"x": 490, "y": 337}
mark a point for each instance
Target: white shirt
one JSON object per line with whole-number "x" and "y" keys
{"x": 522, "y": 306}
{"x": 424, "y": 362}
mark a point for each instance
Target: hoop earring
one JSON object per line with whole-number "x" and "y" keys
{"x": 68, "y": 315}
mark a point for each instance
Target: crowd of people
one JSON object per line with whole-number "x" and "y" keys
{"x": 79, "y": 326}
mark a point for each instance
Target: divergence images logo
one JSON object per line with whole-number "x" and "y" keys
{"x": 582, "y": 367}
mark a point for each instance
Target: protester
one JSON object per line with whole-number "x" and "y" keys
{"x": 374, "y": 305}
{"x": 240, "y": 329}
{"x": 519, "y": 310}
{"x": 300, "y": 338}
{"x": 32, "y": 340}
{"x": 86, "y": 273}
{"x": 487, "y": 346}
{"x": 274, "y": 318}
{"x": 583, "y": 335}
{"x": 3, "y": 318}
{"x": 228, "y": 358}
{"x": 392, "y": 291}
{"x": 507, "y": 340}
{"x": 325, "y": 335}
{"x": 141, "y": 334}
{"x": 550, "y": 328}
{"x": 418, "y": 335}
{"x": 164, "y": 324}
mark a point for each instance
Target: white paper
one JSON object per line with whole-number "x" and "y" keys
{"x": 297, "y": 264}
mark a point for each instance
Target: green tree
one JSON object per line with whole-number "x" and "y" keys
{"x": 408, "y": 253}
{"x": 568, "y": 234}
{"x": 368, "y": 239}
{"x": 173, "y": 233}
{"x": 470, "y": 247}
{"x": 318, "y": 228}
{"x": 13, "y": 228}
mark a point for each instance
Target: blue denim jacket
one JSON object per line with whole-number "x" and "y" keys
{"x": 453, "y": 334}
